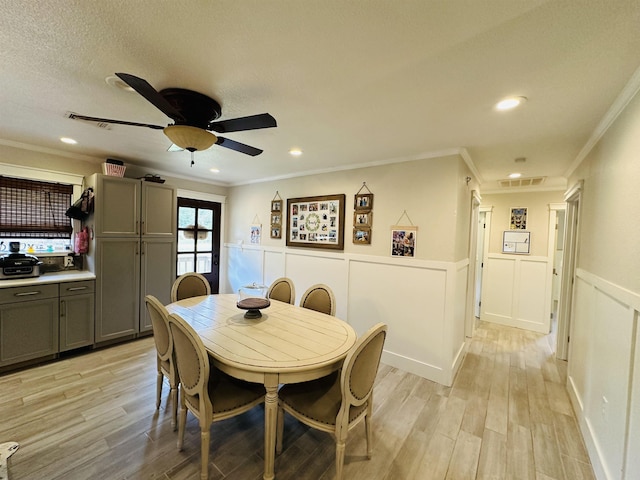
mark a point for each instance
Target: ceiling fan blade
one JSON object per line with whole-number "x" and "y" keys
{"x": 74, "y": 116}
{"x": 253, "y": 122}
{"x": 143, "y": 87}
{"x": 238, "y": 147}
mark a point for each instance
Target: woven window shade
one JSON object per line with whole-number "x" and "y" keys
{"x": 34, "y": 209}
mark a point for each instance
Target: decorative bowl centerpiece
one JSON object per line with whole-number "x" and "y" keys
{"x": 252, "y": 298}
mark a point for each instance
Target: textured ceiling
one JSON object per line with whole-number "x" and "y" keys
{"x": 349, "y": 82}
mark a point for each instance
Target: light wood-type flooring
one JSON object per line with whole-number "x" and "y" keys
{"x": 507, "y": 416}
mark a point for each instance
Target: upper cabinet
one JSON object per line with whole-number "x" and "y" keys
{"x": 130, "y": 207}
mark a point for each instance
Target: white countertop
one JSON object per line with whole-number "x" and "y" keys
{"x": 50, "y": 277}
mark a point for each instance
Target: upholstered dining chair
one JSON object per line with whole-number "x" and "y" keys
{"x": 208, "y": 393}
{"x": 320, "y": 298}
{"x": 282, "y": 289}
{"x": 164, "y": 348}
{"x": 338, "y": 402}
{"x": 188, "y": 285}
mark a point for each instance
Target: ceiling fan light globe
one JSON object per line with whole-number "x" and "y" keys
{"x": 190, "y": 138}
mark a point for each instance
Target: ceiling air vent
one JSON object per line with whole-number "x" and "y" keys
{"x": 521, "y": 182}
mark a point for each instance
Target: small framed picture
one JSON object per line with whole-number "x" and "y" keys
{"x": 276, "y": 206}
{"x": 276, "y": 232}
{"x": 256, "y": 232}
{"x": 363, "y": 201}
{"x": 276, "y": 219}
{"x": 362, "y": 219}
{"x": 518, "y": 220}
{"x": 403, "y": 241}
{"x": 362, "y": 235}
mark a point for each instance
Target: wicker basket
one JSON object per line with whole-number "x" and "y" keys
{"x": 113, "y": 170}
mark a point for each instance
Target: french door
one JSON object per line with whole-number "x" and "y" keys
{"x": 199, "y": 239}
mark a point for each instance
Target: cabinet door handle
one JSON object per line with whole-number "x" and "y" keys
{"x": 63, "y": 308}
{"x": 26, "y": 294}
{"x": 75, "y": 289}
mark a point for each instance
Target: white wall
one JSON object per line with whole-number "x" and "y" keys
{"x": 422, "y": 299}
{"x": 604, "y": 351}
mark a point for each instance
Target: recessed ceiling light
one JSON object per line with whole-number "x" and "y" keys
{"x": 296, "y": 152}
{"x": 68, "y": 140}
{"x": 515, "y": 175}
{"x": 510, "y": 102}
{"x": 214, "y": 170}
{"x": 116, "y": 82}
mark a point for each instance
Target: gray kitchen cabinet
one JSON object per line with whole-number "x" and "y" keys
{"x": 132, "y": 253}
{"x": 130, "y": 207}
{"x": 77, "y": 314}
{"x": 157, "y": 273}
{"x": 117, "y": 270}
{"x": 28, "y": 323}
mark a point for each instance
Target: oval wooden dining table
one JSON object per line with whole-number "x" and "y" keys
{"x": 288, "y": 344}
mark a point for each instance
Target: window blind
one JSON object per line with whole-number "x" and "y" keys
{"x": 34, "y": 209}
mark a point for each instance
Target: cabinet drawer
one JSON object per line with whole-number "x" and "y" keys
{"x": 28, "y": 293}
{"x": 77, "y": 288}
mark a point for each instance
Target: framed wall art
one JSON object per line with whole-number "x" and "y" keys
{"x": 403, "y": 241}
{"x": 316, "y": 222}
{"x": 362, "y": 235}
{"x": 363, "y": 201}
{"x": 256, "y": 233}
{"x": 518, "y": 219}
{"x": 362, "y": 216}
{"x": 362, "y": 219}
{"x": 276, "y": 217}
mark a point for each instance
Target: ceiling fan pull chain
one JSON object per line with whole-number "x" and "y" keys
{"x": 192, "y": 162}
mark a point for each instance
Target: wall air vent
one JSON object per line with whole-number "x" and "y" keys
{"x": 522, "y": 182}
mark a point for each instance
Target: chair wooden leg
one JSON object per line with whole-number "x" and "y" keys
{"x": 367, "y": 429}
{"x": 182, "y": 421}
{"x": 339, "y": 458}
{"x": 158, "y": 389}
{"x": 279, "y": 430}
{"x": 174, "y": 406}
{"x": 204, "y": 452}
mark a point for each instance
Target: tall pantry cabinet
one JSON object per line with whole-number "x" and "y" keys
{"x": 132, "y": 252}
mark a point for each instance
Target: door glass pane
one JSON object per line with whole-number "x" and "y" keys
{"x": 186, "y": 242}
{"x": 185, "y": 263}
{"x": 205, "y": 218}
{"x": 204, "y": 244}
{"x": 186, "y": 217}
{"x": 203, "y": 263}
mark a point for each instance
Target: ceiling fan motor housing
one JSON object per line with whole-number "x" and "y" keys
{"x": 197, "y": 109}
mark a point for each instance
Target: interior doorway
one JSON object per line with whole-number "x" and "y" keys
{"x": 479, "y": 263}
{"x": 482, "y": 248}
{"x": 570, "y": 254}
{"x": 556, "y": 252}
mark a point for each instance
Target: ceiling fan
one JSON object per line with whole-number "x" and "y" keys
{"x": 194, "y": 115}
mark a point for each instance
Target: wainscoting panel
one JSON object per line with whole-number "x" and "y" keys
{"x": 422, "y": 302}
{"x": 516, "y": 291}
{"x": 245, "y": 265}
{"x": 412, "y": 302}
{"x": 602, "y": 374}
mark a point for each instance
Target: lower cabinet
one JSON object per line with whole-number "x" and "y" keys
{"x": 40, "y": 321}
{"x": 77, "y": 314}
{"x": 127, "y": 269}
{"x": 28, "y": 323}
{"x": 117, "y": 270}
